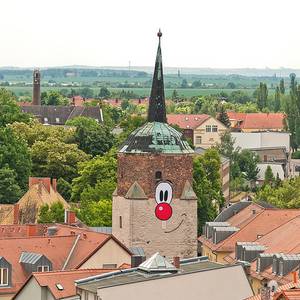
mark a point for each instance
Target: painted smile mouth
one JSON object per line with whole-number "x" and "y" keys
{"x": 183, "y": 216}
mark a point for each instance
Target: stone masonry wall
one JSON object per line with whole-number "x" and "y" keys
{"x": 142, "y": 168}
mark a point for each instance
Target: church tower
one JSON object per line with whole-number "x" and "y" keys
{"x": 154, "y": 205}
{"x": 36, "y": 95}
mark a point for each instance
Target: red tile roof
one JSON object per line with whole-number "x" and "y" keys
{"x": 56, "y": 248}
{"x": 64, "y": 278}
{"x": 187, "y": 121}
{"x": 258, "y": 121}
{"x": 264, "y": 222}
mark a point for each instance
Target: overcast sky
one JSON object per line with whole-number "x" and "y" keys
{"x": 196, "y": 33}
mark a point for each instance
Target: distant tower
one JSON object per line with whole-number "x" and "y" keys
{"x": 154, "y": 205}
{"x": 36, "y": 97}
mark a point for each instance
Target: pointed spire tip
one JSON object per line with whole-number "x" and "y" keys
{"x": 159, "y": 34}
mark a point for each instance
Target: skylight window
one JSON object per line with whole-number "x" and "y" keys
{"x": 59, "y": 287}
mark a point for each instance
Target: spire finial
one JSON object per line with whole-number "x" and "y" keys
{"x": 159, "y": 34}
{"x": 157, "y": 105}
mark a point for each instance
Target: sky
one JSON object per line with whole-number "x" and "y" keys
{"x": 196, "y": 33}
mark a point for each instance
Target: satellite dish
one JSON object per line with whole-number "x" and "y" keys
{"x": 273, "y": 285}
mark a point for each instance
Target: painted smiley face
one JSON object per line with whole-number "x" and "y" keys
{"x": 163, "y": 198}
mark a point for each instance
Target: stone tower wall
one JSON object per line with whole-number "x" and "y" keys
{"x": 142, "y": 168}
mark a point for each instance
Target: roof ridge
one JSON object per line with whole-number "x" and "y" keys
{"x": 49, "y": 273}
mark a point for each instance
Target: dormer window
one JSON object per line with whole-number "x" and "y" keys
{"x": 43, "y": 268}
{"x": 3, "y": 276}
{"x": 5, "y": 272}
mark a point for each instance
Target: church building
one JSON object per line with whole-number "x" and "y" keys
{"x": 154, "y": 205}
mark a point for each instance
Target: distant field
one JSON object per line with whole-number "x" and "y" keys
{"x": 142, "y": 92}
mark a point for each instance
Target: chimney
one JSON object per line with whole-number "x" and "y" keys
{"x": 70, "y": 217}
{"x": 253, "y": 211}
{"x": 54, "y": 184}
{"x": 31, "y": 230}
{"x": 16, "y": 213}
{"x": 176, "y": 262}
{"x": 295, "y": 277}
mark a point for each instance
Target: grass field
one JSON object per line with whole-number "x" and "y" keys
{"x": 142, "y": 92}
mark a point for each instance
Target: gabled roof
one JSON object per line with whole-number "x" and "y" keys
{"x": 260, "y": 224}
{"x": 59, "y": 115}
{"x": 66, "y": 280}
{"x": 259, "y": 121}
{"x": 185, "y": 121}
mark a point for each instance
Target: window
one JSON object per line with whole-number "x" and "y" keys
{"x": 120, "y": 222}
{"x": 208, "y": 128}
{"x": 158, "y": 175}
{"x": 3, "y": 276}
{"x": 46, "y": 120}
{"x": 198, "y": 139}
{"x": 43, "y": 268}
{"x": 57, "y": 120}
{"x": 214, "y": 128}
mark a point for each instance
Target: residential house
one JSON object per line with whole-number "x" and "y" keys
{"x": 157, "y": 278}
{"x": 241, "y": 222}
{"x": 57, "y": 285}
{"x": 25, "y": 249}
{"x": 271, "y": 147}
{"x": 41, "y": 191}
{"x": 59, "y": 115}
{"x": 254, "y": 122}
{"x": 203, "y": 130}
{"x": 276, "y": 168}
{"x": 224, "y": 172}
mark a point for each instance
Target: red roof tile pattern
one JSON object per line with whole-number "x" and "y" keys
{"x": 65, "y": 279}
{"x": 264, "y": 222}
{"x": 258, "y": 121}
{"x": 56, "y": 248}
{"x": 187, "y": 121}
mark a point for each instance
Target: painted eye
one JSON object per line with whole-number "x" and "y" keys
{"x": 163, "y": 193}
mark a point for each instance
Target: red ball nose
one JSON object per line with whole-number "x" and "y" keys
{"x": 163, "y": 211}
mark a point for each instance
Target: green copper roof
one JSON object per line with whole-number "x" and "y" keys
{"x": 156, "y": 137}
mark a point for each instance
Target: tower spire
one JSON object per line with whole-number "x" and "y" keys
{"x": 157, "y": 105}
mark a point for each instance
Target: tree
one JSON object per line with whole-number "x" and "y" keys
{"x": 54, "y": 158}
{"x": 175, "y": 95}
{"x": 207, "y": 186}
{"x": 247, "y": 161}
{"x": 277, "y": 99}
{"x": 10, "y": 112}
{"x": 286, "y": 195}
{"x": 104, "y": 93}
{"x": 184, "y": 84}
{"x": 97, "y": 178}
{"x": 35, "y": 131}
{"x": 14, "y": 155}
{"x": 281, "y": 86}
{"x": 86, "y": 92}
{"x": 53, "y": 98}
{"x": 269, "y": 176}
{"x": 64, "y": 188}
{"x": 223, "y": 117}
{"x": 95, "y": 213}
{"x": 262, "y": 96}
{"x": 10, "y": 191}
{"x": 55, "y": 213}
{"x": 91, "y": 137}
